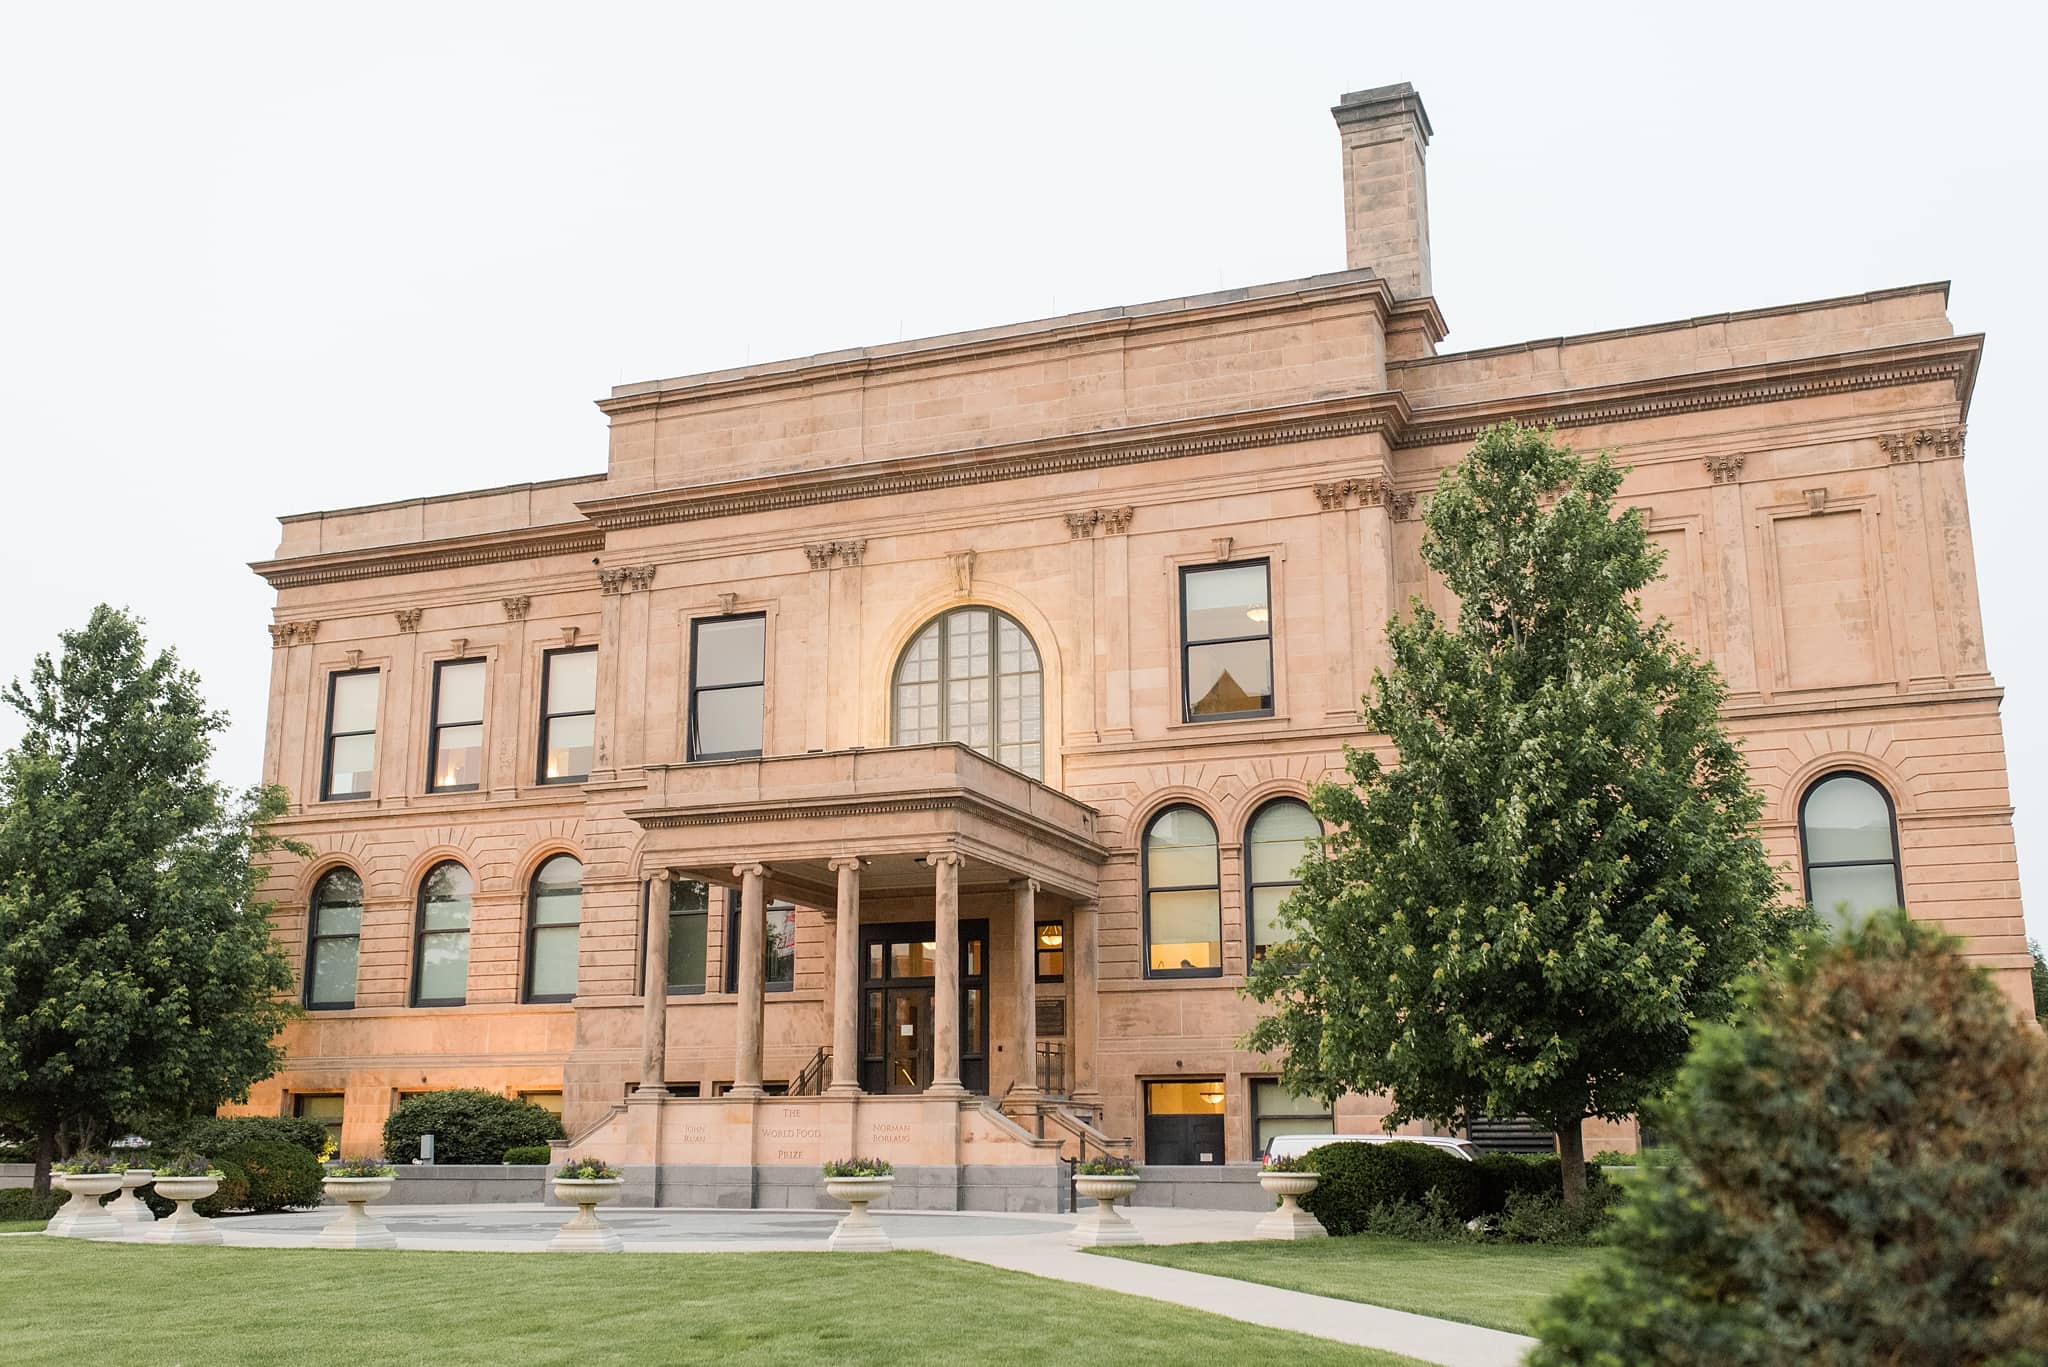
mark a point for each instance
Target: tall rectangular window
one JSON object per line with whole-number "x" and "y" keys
{"x": 351, "y": 758}
{"x": 778, "y": 944}
{"x": 568, "y": 714}
{"x": 326, "y": 1109}
{"x": 1226, "y": 634}
{"x": 455, "y": 748}
{"x": 728, "y": 669}
{"x": 1052, "y": 951}
{"x": 689, "y": 921}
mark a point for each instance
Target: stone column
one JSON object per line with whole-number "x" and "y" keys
{"x": 654, "y": 1010}
{"x": 1081, "y": 975}
{"x": 1024, "y": 894}
{"x": 746, "y": 1063}
{"x": 846, "y": 982}
{"x": 946, "y": 976}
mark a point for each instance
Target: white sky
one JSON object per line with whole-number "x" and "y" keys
{"x": 264, "y": 259}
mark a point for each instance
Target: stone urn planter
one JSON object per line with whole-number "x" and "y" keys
{"x": 858, "y": 1231}
{"x": 128, "y": 1207}
{"x": 89, "y": 1220}
{"x": 584, "y": 1232}
{"x": 355, "y": 1227}
{"x": 1105, "y": 1226}
{"x": 186, "y": 1225}
{"x": 1289, "y": 1220}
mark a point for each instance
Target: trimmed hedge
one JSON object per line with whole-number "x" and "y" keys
{"x": 529, "y": 1153}
{"x": 280, "y": 1176}
{"x": 469, "y": 1125}
{"x": 1359, "y": 1177}
{"x": 218, "y": 1134}
{"x": 21, "y": 1203}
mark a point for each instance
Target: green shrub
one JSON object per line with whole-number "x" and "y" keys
{"x": 469, "y": 1125}
{"x": 1506, "y": 1175}
{"x": 1434, "y": 1220}
{"x": 1359, "y": 1177}
{"x": 1860, "y": 1176}
{"x": 529, "y": 1153}
{"x": 218, "y": 1134}
{"x": 279, "y": 1176}
{"x": 1544, "y": 1218}
{"x": 21, "y": 1203}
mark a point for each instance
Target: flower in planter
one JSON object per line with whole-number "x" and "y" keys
{"x": 858, "y": 1167}
{"x": 1286, "y": 1163}
{"x": 361, "y": 1167}
{"x": 1109, "y": 1165}
{"x": 188, "y": 1165}
{"x": 92, "y": 1165}
{"x": 587, "y": 1170}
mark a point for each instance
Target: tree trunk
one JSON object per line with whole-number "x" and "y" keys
{"x": 46, "y": 1153}
{"x": 1571, "y": 1156}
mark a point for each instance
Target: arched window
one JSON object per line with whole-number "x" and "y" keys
{"x": 1850, "y": 847}
{"x": 335, "y": 927}
{"x": 554, "y": 913}
{"x": 440, "y": 959}
{"x": 1183, "y": 896}
{"x": 1275, "y": 843}
{"x": 972, "y": 675}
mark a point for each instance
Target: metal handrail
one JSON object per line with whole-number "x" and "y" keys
{"x": 811, "y": 1081}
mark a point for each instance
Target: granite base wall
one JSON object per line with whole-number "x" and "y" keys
{"x": 457, "y": 1184}
{"x": 1208, "y": 1186}
{"x": 17, "y": 1175}
{"x": 1039, "y": 1188}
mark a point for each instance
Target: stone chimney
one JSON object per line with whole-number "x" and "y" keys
{"x": 1386, "y": 200}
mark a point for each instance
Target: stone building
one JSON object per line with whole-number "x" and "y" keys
{"x": 902, "y": 749}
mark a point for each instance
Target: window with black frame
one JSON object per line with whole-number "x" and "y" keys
{"x": 778, "y": 944}
{"x": 455, "y": 744}
{"x": 440, "y": 963}
{"x": 728, "y": 686}
{"x": 1226, "y": 634}
{"x": 350, "y": 760}
{"x": 1183, "y": 896}
{"x": 1277, "y": 1111}
{"x": 554, "y": 926}
{"x": 973, "y": 676}
{"x": 568, "y": 714}
{"x": 1849, "y": 845}
{"x": 1052, "y": 951}
{"x": 334, "y": 940}
{"x": 689, "y": 925}
{"x": 1279, "y": 837}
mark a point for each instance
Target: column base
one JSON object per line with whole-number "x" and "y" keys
{"x": 845, "y": 1089}
{"x": 945, "y": 1088}
{"x": 649, "y": 1090}
{"x": 744, "y": 1091}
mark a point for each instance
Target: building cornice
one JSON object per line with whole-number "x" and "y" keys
{"x": 1353, "y": 415}
{"x": 1953, "y": 359}
{"x": 455, "y": 552}
{"x": 825, "y": 809}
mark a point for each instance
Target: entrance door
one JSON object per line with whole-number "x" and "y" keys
{"x": 908, "y": 1045}
{"x": 1184, "y": 1122}
{"x": 896, "y": 1025}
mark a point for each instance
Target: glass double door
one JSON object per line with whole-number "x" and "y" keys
{"x": 898, "y": 972}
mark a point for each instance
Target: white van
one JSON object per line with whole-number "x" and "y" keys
{"x": 1295, "y": 1145}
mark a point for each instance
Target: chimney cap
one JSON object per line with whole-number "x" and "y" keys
{"x": 1383, "y": 104}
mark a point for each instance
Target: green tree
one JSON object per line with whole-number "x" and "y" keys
{"x": 2040, "y": 982}
{"x": 1528, "y": 913}
{"x": 137, "y": 969}
{"x": 1859, "y": 1175}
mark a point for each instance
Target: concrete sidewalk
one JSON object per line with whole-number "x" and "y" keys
{"x": 1369, "y": 1326}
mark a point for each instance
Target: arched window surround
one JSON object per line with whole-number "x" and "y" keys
{"x": 321, "y": 932}
{"x": 456, "y": 914}
{"x": 1149, "y": 889}
{"x": 1807, "y": 864}
{"x": 1252, "y": 882}
{"x": 539, "y": 932}
{"x": 1018, "y": 742}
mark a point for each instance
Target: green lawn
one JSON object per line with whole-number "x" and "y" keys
{"x": 1497, "y": 1285}
{"x": 21, "y": 1226}
{"x": 70, "y": 1302}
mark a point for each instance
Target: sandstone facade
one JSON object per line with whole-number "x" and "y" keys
{"x": 1802, "y": 466}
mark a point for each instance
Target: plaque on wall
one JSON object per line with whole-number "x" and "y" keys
{"x": 1052, "y": 1017}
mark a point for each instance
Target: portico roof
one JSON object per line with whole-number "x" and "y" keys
{"x": 889, "y": 806}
